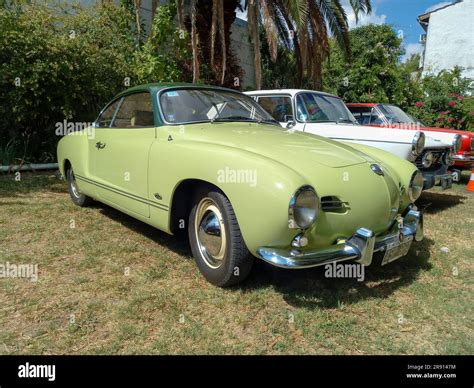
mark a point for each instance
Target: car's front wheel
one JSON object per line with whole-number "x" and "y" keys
{"x": 77, "y": 197}
{"x": 216, "y": 241}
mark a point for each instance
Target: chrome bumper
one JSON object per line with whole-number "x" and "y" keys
{"x": 463, "y": 158}
{"x": 360, "y": 247}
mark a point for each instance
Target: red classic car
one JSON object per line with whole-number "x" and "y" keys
{"x": 392, "y": 116}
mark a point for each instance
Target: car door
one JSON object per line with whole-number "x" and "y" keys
{"x": 119, "y": 153}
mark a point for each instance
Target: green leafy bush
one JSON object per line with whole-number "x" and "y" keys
{"x": 374, "y": 74}
{"x": 64, "y": 62}
{"x": 446, "y": 102}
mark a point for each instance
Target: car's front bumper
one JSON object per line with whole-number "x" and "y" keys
{"x": 360, "y": 247}
{"x": 463, "y": 160}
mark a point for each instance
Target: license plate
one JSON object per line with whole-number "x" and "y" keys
{"x": 446, "y": 182}
{"x": 396, "y": 250}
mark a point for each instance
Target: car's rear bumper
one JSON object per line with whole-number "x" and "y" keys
{"x": 360, "y": 247}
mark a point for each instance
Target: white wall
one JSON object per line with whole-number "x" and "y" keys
{"x": 450, "y": 39}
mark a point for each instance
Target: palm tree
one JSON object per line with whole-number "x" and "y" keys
{"x": 209, "y": 23}
{"x": 302, "y": 26}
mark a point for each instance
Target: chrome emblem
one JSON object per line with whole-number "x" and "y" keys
{"x": 377, "y": 169}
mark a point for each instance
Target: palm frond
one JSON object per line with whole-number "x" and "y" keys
{"x": 336, "y": 18}
{"x": 360, "y": 6}
{"x": 270, "y": 27}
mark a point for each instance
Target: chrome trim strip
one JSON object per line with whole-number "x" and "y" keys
{"x": 125, "y": 194}
{"x": 368, "y": 140}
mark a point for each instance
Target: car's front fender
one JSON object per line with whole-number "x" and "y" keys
{"x": 258, "y": 188}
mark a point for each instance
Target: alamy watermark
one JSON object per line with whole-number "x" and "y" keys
{"x": 30, "y": 371}
{"x": 345, "y": 271}
{"x": 19, "y": 271}
{"x": 65, "y": 127}
{"x": 244, "y": 176}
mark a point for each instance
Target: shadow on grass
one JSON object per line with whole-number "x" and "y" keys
{"x": 178, "y": 243}
{"x": 303, "y": 288}
{"x": 12, "y": 185}
{"x": 433, "y": 202}
{"x": 311, "y": 289}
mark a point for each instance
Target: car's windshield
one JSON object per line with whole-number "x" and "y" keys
{"x": 181, "y": 106}
{"x": 395, "y": 115}
{"x": 313, "y": 107}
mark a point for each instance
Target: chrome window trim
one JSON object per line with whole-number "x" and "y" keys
{"x": 95, "y": 124}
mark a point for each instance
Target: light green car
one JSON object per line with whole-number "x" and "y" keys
{"x": 212, "y": 162}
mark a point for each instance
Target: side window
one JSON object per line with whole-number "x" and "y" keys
{"x": 375, "y": 118}
{"x": 136, "y": 111}
{"x": 362, "y": 114}
{"x": 279, "y": 107}
{"x": 107, "y": 115}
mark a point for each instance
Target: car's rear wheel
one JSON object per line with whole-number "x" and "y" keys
{"x": 216, "y": 241}
{"x": 77, "y": 197}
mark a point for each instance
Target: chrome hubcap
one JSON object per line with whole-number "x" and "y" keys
{"x": 210, "y": 233}
{"x": 74, "y": 188}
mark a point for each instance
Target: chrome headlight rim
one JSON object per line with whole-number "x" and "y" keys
{"x": 448, "y": 158}
{"x": 416, "y": 186}
{"x": 294, "y": 220}
{"x": 457, "y": 143}
{"x": 418, "y": 143}
{"x": 428, "y": 159}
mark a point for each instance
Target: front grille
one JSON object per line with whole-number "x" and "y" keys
{"x": 333, "y": 204}
{"x": 437, "y": 159}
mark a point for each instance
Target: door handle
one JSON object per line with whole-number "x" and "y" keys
{"x": 99, "y": 145}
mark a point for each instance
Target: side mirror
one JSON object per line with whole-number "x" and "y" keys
{"x": 290, "y": 124}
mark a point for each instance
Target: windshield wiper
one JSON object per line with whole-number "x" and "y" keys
{"x": 243, "y": 118}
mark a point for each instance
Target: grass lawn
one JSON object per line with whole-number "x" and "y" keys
{"x": 109, "y": 284}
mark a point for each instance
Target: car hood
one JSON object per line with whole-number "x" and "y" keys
{"x": 292, "y": 148}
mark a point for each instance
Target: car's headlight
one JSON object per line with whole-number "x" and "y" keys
{"x": 427, "y": 159}
{"x": 448, "y": 158}
{"x": 416, "y": 186}
{"x": 418, "y": 143}
{"x": 304, "y": 208}
{"x": 457, "y": 141}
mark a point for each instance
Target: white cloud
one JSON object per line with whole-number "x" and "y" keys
{"x": 439, "y": 5}
{"x": 372, "y": 18}
{"x": 411, "y": 49}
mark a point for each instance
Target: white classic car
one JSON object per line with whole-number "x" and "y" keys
{"x": 326, "y": 115}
